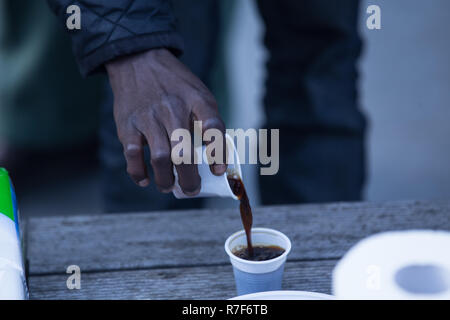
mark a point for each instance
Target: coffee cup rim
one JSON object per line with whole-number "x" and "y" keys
{"x": 259, "y": 263}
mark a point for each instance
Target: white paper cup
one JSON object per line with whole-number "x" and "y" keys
{"x": 212, "y": 185}
{"x": 258, "y": 276}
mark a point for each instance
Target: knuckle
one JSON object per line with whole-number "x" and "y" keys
{"x": 160, "y": 158}
{"x": 133, "y": 151}
{"x": 208, "y": 98}
{"x": 172, "y": 110}
{"x": 144, "y": 117}
{"x": 203, "y": 100}
{"x": 214, "y": 122}
{"x": 170, "y": 102}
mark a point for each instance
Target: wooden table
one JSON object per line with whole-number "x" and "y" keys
{"x": 180, "y": 254}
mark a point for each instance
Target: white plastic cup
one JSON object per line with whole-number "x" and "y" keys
{"x": 212, "y": 185}
{"x": 258, "y": 276}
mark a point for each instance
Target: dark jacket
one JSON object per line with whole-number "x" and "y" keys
{"x": 113, "y": 28}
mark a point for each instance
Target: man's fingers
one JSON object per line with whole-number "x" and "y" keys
{"x": 174, "y": 118}
{"x": 219, "y": 166}
{"x": 187, "y": 170}
{"x": 188, "y": 177}
{"x": 211, "y": 120}
{"x": 160, "y": 156}
{"x": 162, "y": 169}
{"x": 133, "y": 148}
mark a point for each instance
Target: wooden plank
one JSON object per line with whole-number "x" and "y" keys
{"x": 189, "y": 238}
{"x": 208, "y": 282}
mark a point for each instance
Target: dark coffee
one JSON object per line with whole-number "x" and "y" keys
{"x": 260, "y": 253}
{"x": 237, "y": 186}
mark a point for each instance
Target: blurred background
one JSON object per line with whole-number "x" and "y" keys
{"x": 49, "y": 114}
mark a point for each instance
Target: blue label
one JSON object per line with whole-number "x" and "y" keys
{"x": 16, "y": 215}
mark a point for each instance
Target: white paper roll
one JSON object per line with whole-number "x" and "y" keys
{"x": 12, "y": 284}
{"x": 396, "y": 265}
{"x": 12, "y": 275}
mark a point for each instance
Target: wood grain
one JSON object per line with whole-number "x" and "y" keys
{"x": 188, "y": 238}
{"x": 206, "y": 282}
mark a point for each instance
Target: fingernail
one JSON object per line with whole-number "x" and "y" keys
{"x": 144, "y": 183}
{"x": 219, "y": 169}
{"x": 192, "y": 193}
{"x": 166, "y": 190}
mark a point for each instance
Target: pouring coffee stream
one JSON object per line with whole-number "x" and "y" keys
{"x": 237, "y": 186}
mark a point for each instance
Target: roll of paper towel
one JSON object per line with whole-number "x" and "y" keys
{"x": 396, "y": 265}
{"x": 12, "y": 272}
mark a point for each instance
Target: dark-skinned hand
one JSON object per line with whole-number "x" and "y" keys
{"x": 154, "y": 94}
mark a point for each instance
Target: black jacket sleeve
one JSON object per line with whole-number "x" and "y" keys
{"x": 113, "y": 28}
